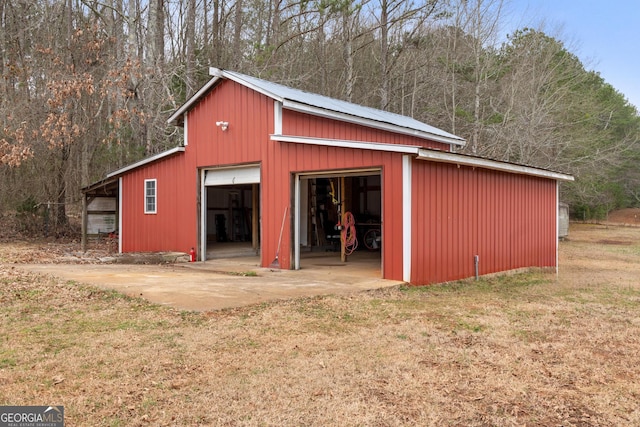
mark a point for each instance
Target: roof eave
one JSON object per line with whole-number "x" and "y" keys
{"x": 234, "y": 77}
{"x": 146, "y": 161}
{"x": 217, "y": 75}
{"x": 444, "y": 157}
{"x": 102, "y": 184}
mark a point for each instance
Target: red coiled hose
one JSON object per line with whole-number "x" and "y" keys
{"x": 348, "y": 233}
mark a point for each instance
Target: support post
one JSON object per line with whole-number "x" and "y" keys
{"x": 343, "y": 209}
{"x": 255, "y": 214}
{"x": 85, "y": 214}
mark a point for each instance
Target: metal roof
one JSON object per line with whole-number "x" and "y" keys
{"x": 321, "y": 105}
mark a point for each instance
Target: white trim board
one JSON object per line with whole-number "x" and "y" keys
{"x": 249, "y": 174}
{"x": 148, "y": 160}
{"x": 440, "y": 156}
{"x": 425, "y": 154}
{"x": 340, "y": 143}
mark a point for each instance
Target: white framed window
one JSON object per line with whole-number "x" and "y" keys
{"x": 150, "y": 196}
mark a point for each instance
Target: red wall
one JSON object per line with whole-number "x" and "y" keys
{"x": 251, "y": 122}
{"x": 300, "y": 124}
{"x": 173, "y": 227}
{"x": 508, "y": 220}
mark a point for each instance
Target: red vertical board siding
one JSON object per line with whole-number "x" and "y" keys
{"x": 301, "y": 124}
{"x": 392, "y": 225}
{"x": 340, "y": 158}
{"x": 251, "y": 117}
{"x": 167, "y": 230}
{"x": 508, "y": 220}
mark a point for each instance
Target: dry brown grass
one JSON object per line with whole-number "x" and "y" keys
{"x": 529, "y": 349}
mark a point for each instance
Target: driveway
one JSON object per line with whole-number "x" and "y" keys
{"x": 223, "y": 283}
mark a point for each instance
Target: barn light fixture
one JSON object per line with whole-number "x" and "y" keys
{"x": 223, "y": 125}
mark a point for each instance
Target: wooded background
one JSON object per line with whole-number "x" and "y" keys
{"x": 87, "y": 85}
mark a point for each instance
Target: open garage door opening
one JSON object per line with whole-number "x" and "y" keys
{"x": 340, "y": 219}
{"x": 232, "y": 214}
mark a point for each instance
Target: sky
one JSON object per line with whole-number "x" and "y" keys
{"x": 605, "y": 35}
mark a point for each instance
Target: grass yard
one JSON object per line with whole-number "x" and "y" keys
{"x": 529, "y": 349}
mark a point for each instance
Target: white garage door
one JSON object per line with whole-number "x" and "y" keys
{"x": 233, "y": 176}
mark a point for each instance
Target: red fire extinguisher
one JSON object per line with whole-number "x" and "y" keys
{"x": 192, "y": 255}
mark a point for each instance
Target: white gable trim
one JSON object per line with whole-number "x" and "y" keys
{"x": 441, "y": 156}
{"x": 146, "y": 161}
{"x": 231, "y": 76}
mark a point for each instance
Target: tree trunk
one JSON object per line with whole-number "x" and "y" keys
{"x": 155, "y": 41}
{"x": 190, "y": 41}
{"x": 3, "y": 43}
{"x": 237, "y": 33}
{"x": 159, "y": 34}
{"x": 348, "y": 55}
{"x": 384, "y": 54}
{"x": 60, "y": 219}
{"x": 215, "y": 30}
{"x": 132, "y": 30}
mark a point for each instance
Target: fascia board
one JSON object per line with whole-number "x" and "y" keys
{"x": 440, "y": 156}
{"x": 340, "y": 143}
{"x": 98, "y": 184}
{"x": 234, "y": 77}
{"x": 146, "y": 161}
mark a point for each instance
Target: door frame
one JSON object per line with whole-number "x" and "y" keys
{"x": 244, "y": 176}
{"x": 297, "y": 202}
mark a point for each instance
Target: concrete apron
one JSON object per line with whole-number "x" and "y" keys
{"x": 222, "y": 283}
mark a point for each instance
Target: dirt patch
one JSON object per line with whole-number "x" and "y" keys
{"x": 527, "y": 349}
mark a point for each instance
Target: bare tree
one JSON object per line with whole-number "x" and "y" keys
{"x": 396, "y": 21}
